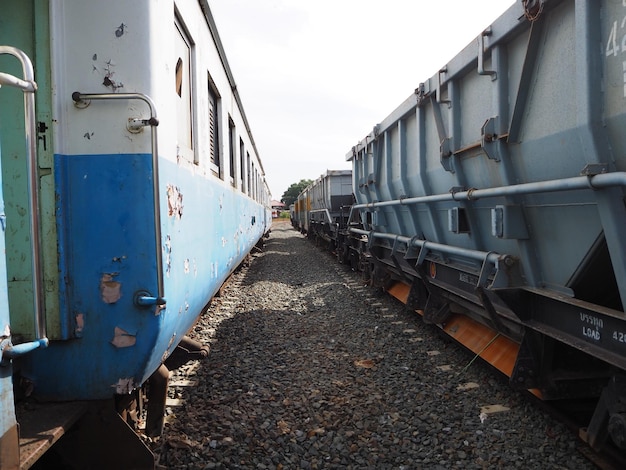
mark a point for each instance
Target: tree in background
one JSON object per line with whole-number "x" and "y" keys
{"x": 290, "y": 196}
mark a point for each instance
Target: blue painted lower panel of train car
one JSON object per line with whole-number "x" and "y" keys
{"x": 106, "y": 227}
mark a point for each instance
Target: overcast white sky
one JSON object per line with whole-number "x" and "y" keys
{"x": 315, "y": 76}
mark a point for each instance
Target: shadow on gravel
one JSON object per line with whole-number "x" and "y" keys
{"x": 309, "y": 370}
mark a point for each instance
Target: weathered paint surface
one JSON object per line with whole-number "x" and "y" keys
{"x": 123, "y": 339}
{"x": 79, "y": 324}
{"x": 101, "y": 196}
{"x": 110, "y": 289}
{"x": 199, "y": 251}
{"x": 174, "y": 201}
{"x": 124, "y": 386}
{"x": 167, "y": 254}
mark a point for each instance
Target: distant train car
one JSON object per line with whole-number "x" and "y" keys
{"x": 302, "y": 209}
{"x": 292, "y": 214}
{"x": 140, "y": 190}
{"x": 330, "y": 199}
{"x": 492, "y": 200}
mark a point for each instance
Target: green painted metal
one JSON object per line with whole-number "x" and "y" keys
{"x": 29, "y": 31}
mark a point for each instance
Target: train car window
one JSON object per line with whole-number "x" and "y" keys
{"x": 242, "y": 166}
{"x": 249, "y": 173}
{"x": 179, "y": 77}
{"x": 252, "y": 189}
{"x": 214, "y": 129}
{"x": 184, "y": 110}
{"x": 232, "y": 135}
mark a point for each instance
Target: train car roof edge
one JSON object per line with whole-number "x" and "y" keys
{"x": 502, "y": 27}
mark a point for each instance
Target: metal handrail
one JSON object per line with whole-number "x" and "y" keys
{"x": 82, "y": 100}
{"x": 592, "y": 181}
{"x": 600, "y": 181}
{"x": 28, "y": 87}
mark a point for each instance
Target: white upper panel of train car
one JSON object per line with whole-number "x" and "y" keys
{"x": 151, "y": 49}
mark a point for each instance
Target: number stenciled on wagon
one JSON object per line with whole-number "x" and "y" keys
{"x": 613, "y": 44}
{"x": 619, "y": 336}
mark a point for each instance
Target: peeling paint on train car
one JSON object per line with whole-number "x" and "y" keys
{"x": 122, "y": 338}
{"x": 110, "y": 289}
{"x": 174, "y": 201}
{"x": 167, "y": 251}
{"x": 124, "y": 386}
{"x": 79, "y": 325}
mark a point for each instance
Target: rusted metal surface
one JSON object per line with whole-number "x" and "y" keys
{"x": 400, "y": 291}
{"x": 42, "y": 425}
{"x": 497, "y": 350}
{"x": 9, "y": 449}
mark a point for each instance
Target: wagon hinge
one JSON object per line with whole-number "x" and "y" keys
{"x": 489, "y": 138}
{"x": 436, "y": 309}
{"x": 446, "y": 154}
{"x": 394, "y": 257}
{"x": 499, "y": 271}
{"x": 490, "y": 309}
{"x": 593, "y": 169}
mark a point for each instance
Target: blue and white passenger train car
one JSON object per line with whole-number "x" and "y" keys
{"x": 144, "y": 190}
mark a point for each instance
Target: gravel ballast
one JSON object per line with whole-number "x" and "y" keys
{"x": 309, "y": 368}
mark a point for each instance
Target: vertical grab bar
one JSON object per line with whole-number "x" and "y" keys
{"x": 481, "y": 55}
{"x": 82, "y": 100}
{"x": 28, "y": 87}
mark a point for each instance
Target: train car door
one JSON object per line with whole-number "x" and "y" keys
{"x": 25, "y": 25}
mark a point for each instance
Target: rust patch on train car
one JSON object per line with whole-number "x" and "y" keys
{"x": 10, "y": 448}
{"x": 110, "y": 290}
